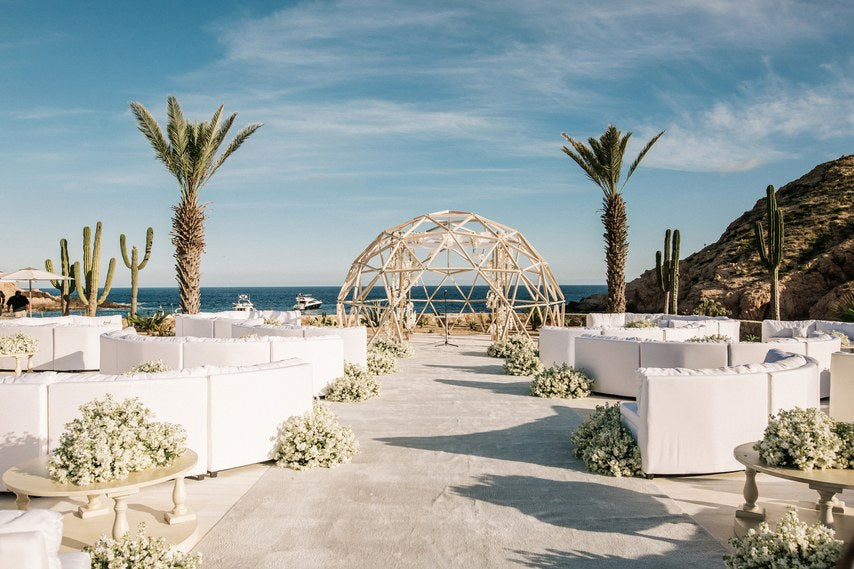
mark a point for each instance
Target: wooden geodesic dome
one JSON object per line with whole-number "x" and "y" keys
{"x": 442, "y": 264}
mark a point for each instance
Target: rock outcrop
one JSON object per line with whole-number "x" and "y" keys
{"x": 818, "y": 210}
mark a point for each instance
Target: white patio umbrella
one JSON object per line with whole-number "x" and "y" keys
{"x": 30, "y": 274}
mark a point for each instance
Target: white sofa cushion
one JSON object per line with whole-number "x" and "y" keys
{"x": 225, "y": 352}
{"x": 46, "y": 522}
{"x": 828, "y": 326}
{"x": 23, "y": 423}
{"x": 324, "y": 353}
{"x": 786, "y": 328}
{"x": 611, "y": 362}
{"x": 606, "y": 320}
{"x": 643, "y": 333}
{"x": 247, "y": 406}
{"x": 355, "y": 340}
{"x": 683, "y": 355}
{"x": 41, "y": 333}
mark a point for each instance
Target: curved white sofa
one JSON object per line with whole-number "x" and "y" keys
{"x": 688, "y": 421}
{"x": 218, "y": 324}
{"x": 231, "y": 414}
{"x": 124, "y": 349}
{"x": 355, "y": 338}
{"x": 65, "y": 343}
{"x": 612, "y": 360}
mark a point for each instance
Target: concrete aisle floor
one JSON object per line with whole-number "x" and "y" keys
{"x": 460, "y": 467}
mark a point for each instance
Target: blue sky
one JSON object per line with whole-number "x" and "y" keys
{"x": 376, "y": 112}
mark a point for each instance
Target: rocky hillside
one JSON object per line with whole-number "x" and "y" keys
{"x": 818, "y": 211}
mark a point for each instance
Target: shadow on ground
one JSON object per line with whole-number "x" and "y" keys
{"x": 544, "y": 441}
{"x": 513, "y": 388}
{"x": 600, "y": 509}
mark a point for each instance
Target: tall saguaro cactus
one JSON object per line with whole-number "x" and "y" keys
{"x": 135, "y": 265}
{"x": 667, "y": 271}
{"x": 771, "y": 250}
{"x": 86, "y": 280}
{"x": 64, "y": 286}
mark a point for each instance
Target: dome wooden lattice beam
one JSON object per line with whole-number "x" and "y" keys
{"x": 402, "y": 274}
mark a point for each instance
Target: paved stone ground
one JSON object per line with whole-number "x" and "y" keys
{"x": 459, "y": 467}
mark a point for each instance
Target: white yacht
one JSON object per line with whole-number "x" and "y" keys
{"x": 306, "y": 302}
{"x": 243, "y": 303}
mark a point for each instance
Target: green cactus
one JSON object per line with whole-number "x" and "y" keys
{"x": 667, "y": 272}
{"x": 65, "y": 286}
{"x": 86, "y": 281}
{"x": 135, "y": 265}
{"x": 771, "y": 250}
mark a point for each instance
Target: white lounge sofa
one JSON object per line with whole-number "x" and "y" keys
{"x": 230, "y": 414}
{"x": 687, "y": 421}
{"x": 124, "y": 349}
{"x": 31, "y": 539}
{"x": 218, "y": 324}
{"x": 842, "y": 386}
{"x": 613, "y": 362}
{"x": 65, "y": 343}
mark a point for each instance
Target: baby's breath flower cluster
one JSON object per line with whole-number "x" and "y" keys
{"x": 510, "y": 345}
{"x": 112, "y": 439}
{"x": 523, "y": 362}
{"x": 845, "y": 454}
{"x": 151, "y": 366}
{"x": 561, "y": 381}
{"x": 273, "y": 322}
{"x": 142, "y": 551}
{"x": 605, "y": 445}
{"x": 711, "y": 339}
{"x": 356, "y": 385}
{"x": 18, "y": 344}
{"x": 641, "y": 324}
{"x": 399, "y": 349}
{"x": 799, "y": 438}
{"x": 315, "y": 439}
{"x": 380, "y": 362}
{"x": 844, "y": 340}
{"x": 792, "y": 544}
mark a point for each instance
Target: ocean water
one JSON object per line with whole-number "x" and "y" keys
{"x": 215, "y": 299}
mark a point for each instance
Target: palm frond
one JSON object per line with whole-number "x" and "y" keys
{"x": 584, "y": 158}
{"x": 239, "y": 139}
{"x": 176, "y": 128}
{"x": 151, "y": 130}
{"x": 643, "y": 152}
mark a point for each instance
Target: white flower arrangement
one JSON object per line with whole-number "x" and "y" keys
{"x": 356, "y": 385}
{"x": 711, "y": 339}
{"x": 314, "y": 440}
{"x": 605, "y": 445}
{"x": 799, "y": 438}
{"x": 396, "y": 348}
{"x": 523, "y": 362}
{"x": 845, "y": 454}
{"x": 151, "y": 366}
{"x": 641, "y": 324}
{"x": 844, "y": 340}
{"x": 793, "y": 543}
{"x": 561, "y": 381}
{"x": 112, "y": 439}
{"x": 18, "y": 344}
{"x": 381, "y": 362}
{"x": 142, "y": 551}
{"x": 273, "y": 322}
{"x": 510, "y": 345}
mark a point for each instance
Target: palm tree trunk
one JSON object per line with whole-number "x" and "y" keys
{"x": 188, "y": 237}
{"x": 616, "y": 247}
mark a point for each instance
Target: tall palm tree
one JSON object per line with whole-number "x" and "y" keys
{"x": 602, "y": 161}
{"x": 190, "y": 156}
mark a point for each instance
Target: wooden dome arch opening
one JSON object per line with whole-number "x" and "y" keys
{"x": 402, "y": 274}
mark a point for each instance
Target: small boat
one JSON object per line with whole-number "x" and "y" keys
{"x": 243, "y": 303}
{"x": 306, "y": 302}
